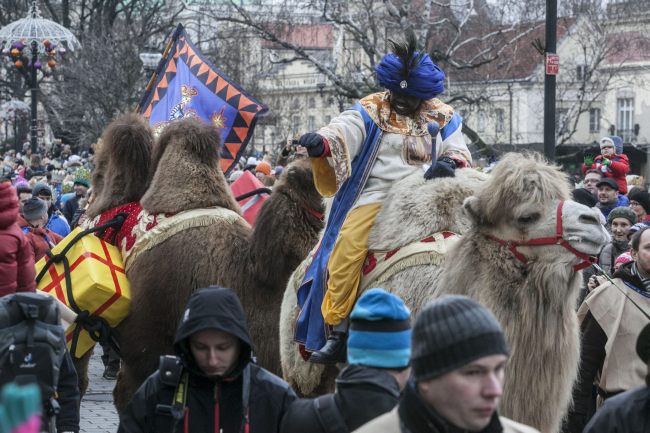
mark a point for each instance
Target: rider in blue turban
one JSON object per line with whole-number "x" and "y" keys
{"x": 386, "y": 137}
{"x": 420, "y": 77}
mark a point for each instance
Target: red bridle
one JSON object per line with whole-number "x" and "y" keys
{"x": 558, "y": 239}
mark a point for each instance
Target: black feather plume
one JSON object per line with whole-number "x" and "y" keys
{"x": 405, "y": 50}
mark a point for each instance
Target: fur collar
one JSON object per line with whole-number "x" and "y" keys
{"x": 378, "y": 108}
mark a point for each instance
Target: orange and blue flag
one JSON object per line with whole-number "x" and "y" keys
{"x": 188, "y": 85}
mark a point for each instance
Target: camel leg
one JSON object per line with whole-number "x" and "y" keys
{"x": 81, "y": 366}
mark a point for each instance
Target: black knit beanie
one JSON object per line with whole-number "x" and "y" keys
{"x": 451, "y": 332}
{"x": 642, "y": 197}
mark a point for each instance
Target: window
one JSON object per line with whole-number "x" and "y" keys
{"x": 480, "y": 123}
{"x": 295, "y": 123}
{"x": 625, "y": 118}
{"x": 499, "y": 114}
{"x": 311, "y": 103}
{"x": 311, "y": 123}
{"x": 581, "y": 72}
{"x": 594, "y": 120}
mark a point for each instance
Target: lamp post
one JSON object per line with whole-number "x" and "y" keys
{"x": 150, "y": 59}
{"x": 27, "y": 42}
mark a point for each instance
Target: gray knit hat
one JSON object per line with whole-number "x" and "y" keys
{"x": 451, "y": 332}
{"x": 622, "y": 212}
{"x": 34, "y": 208}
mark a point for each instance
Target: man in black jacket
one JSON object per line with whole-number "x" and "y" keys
{"x": 379, "y": 346}
{"x": 628, "y": 412}
{"x": 211, "y": 385}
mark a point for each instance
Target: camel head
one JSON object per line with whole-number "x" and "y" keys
{"x": 416, "y": 208}
{"x": 185, "y": 170}
{"x": 122, "y": 161}
{"x": 519, "y": 206}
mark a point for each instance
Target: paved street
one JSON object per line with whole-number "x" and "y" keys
{"x": 97, "y": 411}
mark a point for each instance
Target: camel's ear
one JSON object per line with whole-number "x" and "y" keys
{"x": 471, "y": 206}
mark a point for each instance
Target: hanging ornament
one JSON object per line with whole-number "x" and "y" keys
{"x": 6, "y": 51}
{"x": 51, "y": 63}
{"x": 62, "y": 51}
{"x": 20, "y": 45}
{"x": 19, "y": 64}
{"x": 47, "y": 43}
{"x": 15, "y": 52}
{"x": 52, "y": 53}
{"x": 38, "y": 65}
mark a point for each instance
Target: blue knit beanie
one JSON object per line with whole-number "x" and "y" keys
{"x": 380, "y": 331}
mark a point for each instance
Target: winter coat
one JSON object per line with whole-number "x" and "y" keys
{"x": 617, "y": 169}
{"x": 625, "y": 413}
{"x": 41, "y": 240}
{"x": 70, "y": 207}
{"x": 610, "y": 252}
{"x": 16, "y": 256}
{"x": 362, "y": 394}
{"x": 414, "y": 415}
{"x": 213, "y": 404}
{"x": 605, "y": 315}
{"x": 621, "y": 201}
{"x": 58, "y": 224}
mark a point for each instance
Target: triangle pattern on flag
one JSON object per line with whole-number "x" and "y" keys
{"x": 195, "y": 60}
{"x": 232, "y": 92}
{"x": 248, "y": 117}
{"x": 221, "y": 83}
{"x": 156, "y": 98}
{"x": 234, "y": 100}
{"x": 211, "y": 77}
{"x": 232, "y": 149}
{"x": 172, "y": 66}
{"x": 244, "y": 102}
{"x": 241, "y": 132}
{"x": 147, "y": 113}
{"x": 183, "y": 50}
{"x": 239, "y": 122}
{"x": 232, "y": 137}
{"x": 163, "y": 81}
{"x": 203, "y": 69}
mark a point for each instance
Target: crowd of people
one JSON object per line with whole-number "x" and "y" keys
{"x": 440, "y": 371}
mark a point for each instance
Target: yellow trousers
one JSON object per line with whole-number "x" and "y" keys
{"x": 346, "y": 262}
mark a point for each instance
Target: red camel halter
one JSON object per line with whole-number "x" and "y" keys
{"x": 558, "y": 239}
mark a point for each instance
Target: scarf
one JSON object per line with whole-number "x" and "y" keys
{"x": 417, "y": 417}
{"x": 645, "y": 282}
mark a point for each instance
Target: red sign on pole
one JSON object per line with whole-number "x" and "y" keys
{"x": 552, "y": 64}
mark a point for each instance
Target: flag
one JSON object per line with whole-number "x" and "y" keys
{"x": 188, "y": 85}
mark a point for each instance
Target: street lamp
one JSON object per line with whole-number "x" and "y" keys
{"x": 150, "y": 59}
{"x": 27, "y": 42}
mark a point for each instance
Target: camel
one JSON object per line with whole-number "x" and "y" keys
{"x": 122, "y": 159}
{"x": 211, "y": 245}
{"x": 530, "y": 289}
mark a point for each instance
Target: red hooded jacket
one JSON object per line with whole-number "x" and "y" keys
{"x": 17, "y": 270}
{"x": 617, "y": 169}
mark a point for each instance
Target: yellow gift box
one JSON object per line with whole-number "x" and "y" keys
{"x": 98, "y": 282}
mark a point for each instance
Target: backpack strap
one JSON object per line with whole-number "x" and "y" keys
{"x": 329, "y": 414}
{"x": 173, "y": 375}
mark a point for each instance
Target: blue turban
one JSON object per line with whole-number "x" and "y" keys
{"x": 425, "y": 81}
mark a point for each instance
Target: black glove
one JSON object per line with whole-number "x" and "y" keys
{"x": 313, "y": 143}
{"x": 444, "y": 167}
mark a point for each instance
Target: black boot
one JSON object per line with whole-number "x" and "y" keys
{"x": 335, "y": 350}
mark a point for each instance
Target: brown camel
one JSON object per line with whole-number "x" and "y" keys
{"x": 214, "y": 247}
{"x": 533, "y": 300}
{"x": 122, "y": 159}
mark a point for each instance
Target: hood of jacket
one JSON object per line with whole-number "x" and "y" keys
{"x": 213, "y": 308}
{"x": 8, "y": 205}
